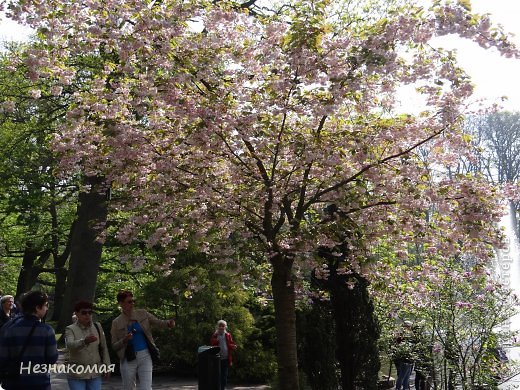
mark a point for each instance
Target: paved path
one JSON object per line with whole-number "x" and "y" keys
{"x": 512, "y": 382}
{"x": 59, "y": 382}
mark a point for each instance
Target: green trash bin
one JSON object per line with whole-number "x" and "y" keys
{"x": 209, "y": 367}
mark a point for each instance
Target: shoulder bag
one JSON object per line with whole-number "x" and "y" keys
{"x": 100, "y": 346}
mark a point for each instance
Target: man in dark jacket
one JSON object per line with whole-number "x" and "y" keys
{"x": 30, "y": 344}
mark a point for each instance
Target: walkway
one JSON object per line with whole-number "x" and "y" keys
{"x": 511, "y": 383}
{"x": 59, "y": 382}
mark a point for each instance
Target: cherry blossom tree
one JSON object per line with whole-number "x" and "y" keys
{"x": 462, "y": 314}
{"x": 217, "y": 124}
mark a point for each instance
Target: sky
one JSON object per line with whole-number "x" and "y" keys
{"x": 494, "y": 76}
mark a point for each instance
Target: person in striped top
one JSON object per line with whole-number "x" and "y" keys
{"x": 39, "y": 339}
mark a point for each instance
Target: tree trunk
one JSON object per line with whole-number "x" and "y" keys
{"x": 32, "y": 266}
{"x": 285, "y": 321}
{"x": 28, "y": 274}
{"x": 59, "y": 292}
{"x": 86, "y": 250}
{"x": 514, "y": 218}
{"x": 60, "y": 260}
{"x": 357, "y": 331}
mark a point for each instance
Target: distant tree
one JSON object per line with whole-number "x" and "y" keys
{"x": 39, "y": 198}
{"x": 497, "y": 137}
{"x": 36, "y": 205}
{"x": 317, "y": 345}
{"x": 356, "y": 328}
{"x": 460, "y": 312}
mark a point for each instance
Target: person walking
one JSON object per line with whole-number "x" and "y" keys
{"x": 404, "y": 355}
{"x": 87, "y": 347}
{"x": 222, "y": 338}
{"x": 133, "y": 342}
{"x": 30, "y": 344}
{"x": 7, "y": 309}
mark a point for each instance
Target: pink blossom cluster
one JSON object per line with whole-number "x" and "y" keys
{"x": 254, "y": 125}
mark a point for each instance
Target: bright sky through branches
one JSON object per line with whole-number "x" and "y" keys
{"x": 494, "y": 76}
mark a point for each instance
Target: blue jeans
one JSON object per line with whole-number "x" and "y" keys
{"x": 84, "y": 384}
{"x": 404, "y": 370}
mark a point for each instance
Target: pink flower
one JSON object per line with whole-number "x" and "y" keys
{"x": 35, "y": 93}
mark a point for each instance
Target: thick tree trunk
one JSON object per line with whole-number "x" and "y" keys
{"x": 33, "y": 263}
{"x": 60, "y": 261}
{"x": 285, "y": 320}
{"x": 28, "y": 273}
{"x": 85, "y": 248}
{"x": 59, "y": 292}
{"x": 357, "y": 332}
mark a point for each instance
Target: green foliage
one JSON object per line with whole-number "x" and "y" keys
{"x": 309, "y": 25}
{"x": 197, "y": 308}
{"x": 9, "y": 270}
{"x": 197, "y": 293}
{"x": 256, "y": 359}
{"x": 36, "y": 207}
{"x": 317, "y": 346}
{"x": 460, "y": 317}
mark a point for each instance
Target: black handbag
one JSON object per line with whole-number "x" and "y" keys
{"x": 129, "y": 352}
{"x": 100, "y": 347}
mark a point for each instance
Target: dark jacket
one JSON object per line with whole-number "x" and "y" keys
{"x": 4, "y": 318}
{"x": 41, "y": 350}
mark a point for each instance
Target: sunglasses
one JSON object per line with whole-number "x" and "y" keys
{"x": 86, "y": 312}
{"x": 132, "y": 301}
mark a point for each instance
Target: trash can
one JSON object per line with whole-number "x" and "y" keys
{"x": 209, "y": 367}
